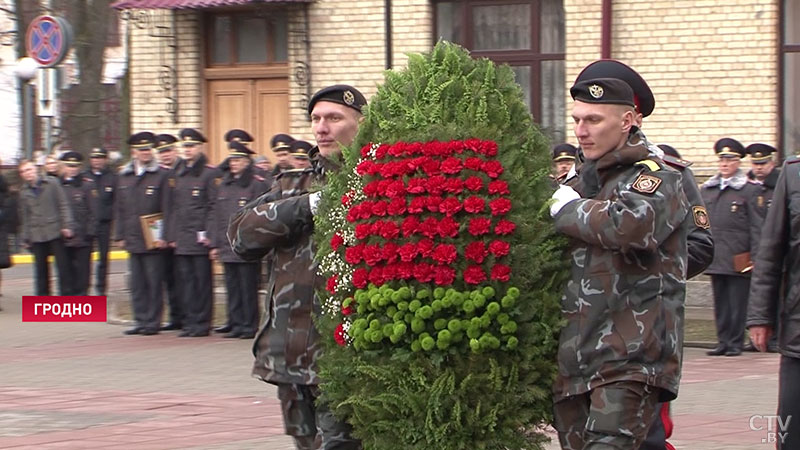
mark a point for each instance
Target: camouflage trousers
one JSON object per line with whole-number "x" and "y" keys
{"x": 313, "y": 426}
{"x": 615, "y": 416}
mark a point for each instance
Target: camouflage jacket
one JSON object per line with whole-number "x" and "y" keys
{"x": 624, "y": 302}
{"x": 82, "y": 196}
{"x": 287, "y": 346}
{"x": 735, "y": 221}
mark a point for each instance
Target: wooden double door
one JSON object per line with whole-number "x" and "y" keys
{"x": 258, "y": 106}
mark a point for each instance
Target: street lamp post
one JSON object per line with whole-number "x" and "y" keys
{"x": 25, "y": 70}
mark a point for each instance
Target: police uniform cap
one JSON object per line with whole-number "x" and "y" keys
{"x": 341, "y": 94}
{"x": 71, "y": 158}
{"x": 760, "y": 153}
{"x": 604, "y": 91}
{"x": 164, "y": 142}
{"x": 239, "y": 150}
{"x": 142, "y": 140}
{"x": 611, "y": 68}
{"x": 729, "y": 148}
{"x": 98, "y": 152}
{"x": 669, "y": 150}
{"x": 238, "y": 135}
{"x": 564, "y": 151}
{"x": 300, "y": 149}
{"x": 281, "y": 142}
{"x": 191, "y": 137}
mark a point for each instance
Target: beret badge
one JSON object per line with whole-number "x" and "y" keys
{"x": 348, "y": 98}
{"x": 596, "y": 91}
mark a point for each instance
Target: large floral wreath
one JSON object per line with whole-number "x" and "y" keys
{"x": 441, "y": 308}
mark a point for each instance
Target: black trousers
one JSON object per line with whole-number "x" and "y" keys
{"x": 80, "y": 268}
{"x": 147, "y": 276}
{"x": 195, "y": 278}
{"x": 40, "y": 251}
{"x": 730, "y": 308}
{"x": 103, "y": 242}
{"x": 173, "y": 287}
{"x": 241, "y": 282}
{"x": 789, "y": 402}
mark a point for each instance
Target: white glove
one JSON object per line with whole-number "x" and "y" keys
{"x": 562, "y": 196}
{"x": 313, "y": 201}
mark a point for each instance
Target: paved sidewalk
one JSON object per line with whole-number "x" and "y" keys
{"x": 85, "y": 385}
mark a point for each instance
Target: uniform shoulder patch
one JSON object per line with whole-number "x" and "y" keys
{"x": 701, "y": 217}
{"x": 650, "y": 164}
{"x": 646, "y": 184}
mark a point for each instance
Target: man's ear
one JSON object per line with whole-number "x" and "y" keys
{"x": 628, "y": 120}
{"x": 361, "y": 118}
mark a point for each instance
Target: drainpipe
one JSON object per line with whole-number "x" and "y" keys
{"x": 605, "y": 40}
{"x": 387, "y": 11}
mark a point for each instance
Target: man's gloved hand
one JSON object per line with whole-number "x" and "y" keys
{"x": 561, "y": 197}
{"x": 313, "y": 200}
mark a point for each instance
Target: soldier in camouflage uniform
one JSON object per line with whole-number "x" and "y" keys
{"x": 288, "y": 345}
{"x": 620, "y": 352}
{"x": 82, "y": 196}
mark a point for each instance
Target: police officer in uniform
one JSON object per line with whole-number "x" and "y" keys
{"x": 736, "y": 222}
{"x": 281, "y": 145}
{"x": 168, "y": 159}
{"x": 141, "y": 189}
{"x": 299, "y": 154}
{"x": 105, "y": 181}
{"x": 240, "y": 185}
{"x": 563, "y": 160}
{"x": 82, "y": 196}
{"x": 192, "y": 192}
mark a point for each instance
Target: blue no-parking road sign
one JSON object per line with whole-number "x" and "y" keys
{"x": 48, "y": 40}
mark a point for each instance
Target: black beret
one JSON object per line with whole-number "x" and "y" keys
{"x": 142, "y": 140}
{"x": 760, "y": 153}
{"x": 164, "y": 142}
{"x": 71, "y": 158}
{"x": 281, "y": 142}
{"x": 729, "y": 148}
{"x": 239, "y": 149}
{"x": 669, "y": 150}
{"x": 341, "y": 94}
{"x": 301, "y": 148}
{"x": 610, "y": 68}
{"x": 564, "y": 151}
{"x": 190, "y": 136}
{"x": 603, "y": 90}
{"x": 98, "y": 152}
{"x": 238, "y": 135}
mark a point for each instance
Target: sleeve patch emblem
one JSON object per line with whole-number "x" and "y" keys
{"x": 701, "y": 217}
{"x": 646, "y": 184}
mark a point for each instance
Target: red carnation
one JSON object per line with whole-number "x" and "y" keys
{"x": 376, "y": 276}
{"x": 353, "y": 255}
{"x": 389, "y": 252}
{"x": 393, "y": 188}
{"x": 379, "y": 208}
{"x": 476, "y": 251}
{"x": 397, "y": 206}
{"x": 474, "y": 204}
{"x": 331, "y": 286}
{"x": 414, "y": 148}
{"x": 454, "y": 185}
{"x": 423, "y": 272}
{"x": 429, "y": 227}
{"x": 339, "y": 335}
{"x": 492, "y": 168}
{"x": 363, "y": 210}
{"x": 448, "y": 227}
{"x": 474, "y": 275}
{"x": 478, "y": 226}
{"x": 432, "y": 202}
{"x": 443, "y": 275}
{"x": 396, "y": 151}
{"x": 499, "y": 206}
{"x": 416, "y": 186}
{"x": 445, "y": 253}
{"x": 425, "y": 247}
{"x": 410, "y": 225}
{"x": 455, "y": 147}
{"x": 473, "y": 144}
{"x": 430, "y": 166}
{"x": 372, "y": 254}
{"x": 346, "y": 311}
{"x": 381, "y": 151}
{"x": 365, "y": 150}
{"x": 389, "y": 169}
{"x": 352, "y": 214}
{"x": 473, "y": 163}
{"x": 452, "y": 166}
{"x": 474, "y": 183}
{"x": 435, "y": 184}
{"x": 501, "y": 272}
{"x": 367, "y": 168}
{"x": 504, "y": 227}
{"x": 404, "y": 270}
{"x": 371, "y": 189}
{"x": 499, "y": 248}
{"x": 489, "y": 148}
{"x": 363, "y": 230}
{"x": 499, "y": 187}
{"x": 417, "y": 205}
{"x": 450, "y": 206}
{"x": 336, "y": 241}
{"x": 389, "y": 272}
{"x": 360, "y": 277}
{"x": 408, "y": 251}
{"x": 389, "y": 230}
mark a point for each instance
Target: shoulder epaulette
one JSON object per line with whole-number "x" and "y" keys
{"x": 793, "y": 159}
{"x": 650, "y": 164}
{"x": 676, "y": 162}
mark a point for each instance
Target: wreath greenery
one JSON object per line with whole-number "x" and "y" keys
{"x": 441, "y": 312}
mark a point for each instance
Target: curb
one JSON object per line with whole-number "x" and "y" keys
{"x": 26, "y": 258}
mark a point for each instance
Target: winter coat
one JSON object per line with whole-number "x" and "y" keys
{"x": 138, "y": 195}
{"x": 192, "y": 193}
{"x": 45, "y": 210}
{"x": 82, "y": 195}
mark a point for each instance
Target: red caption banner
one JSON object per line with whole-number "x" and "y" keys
{"x": 65, "y": 308}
